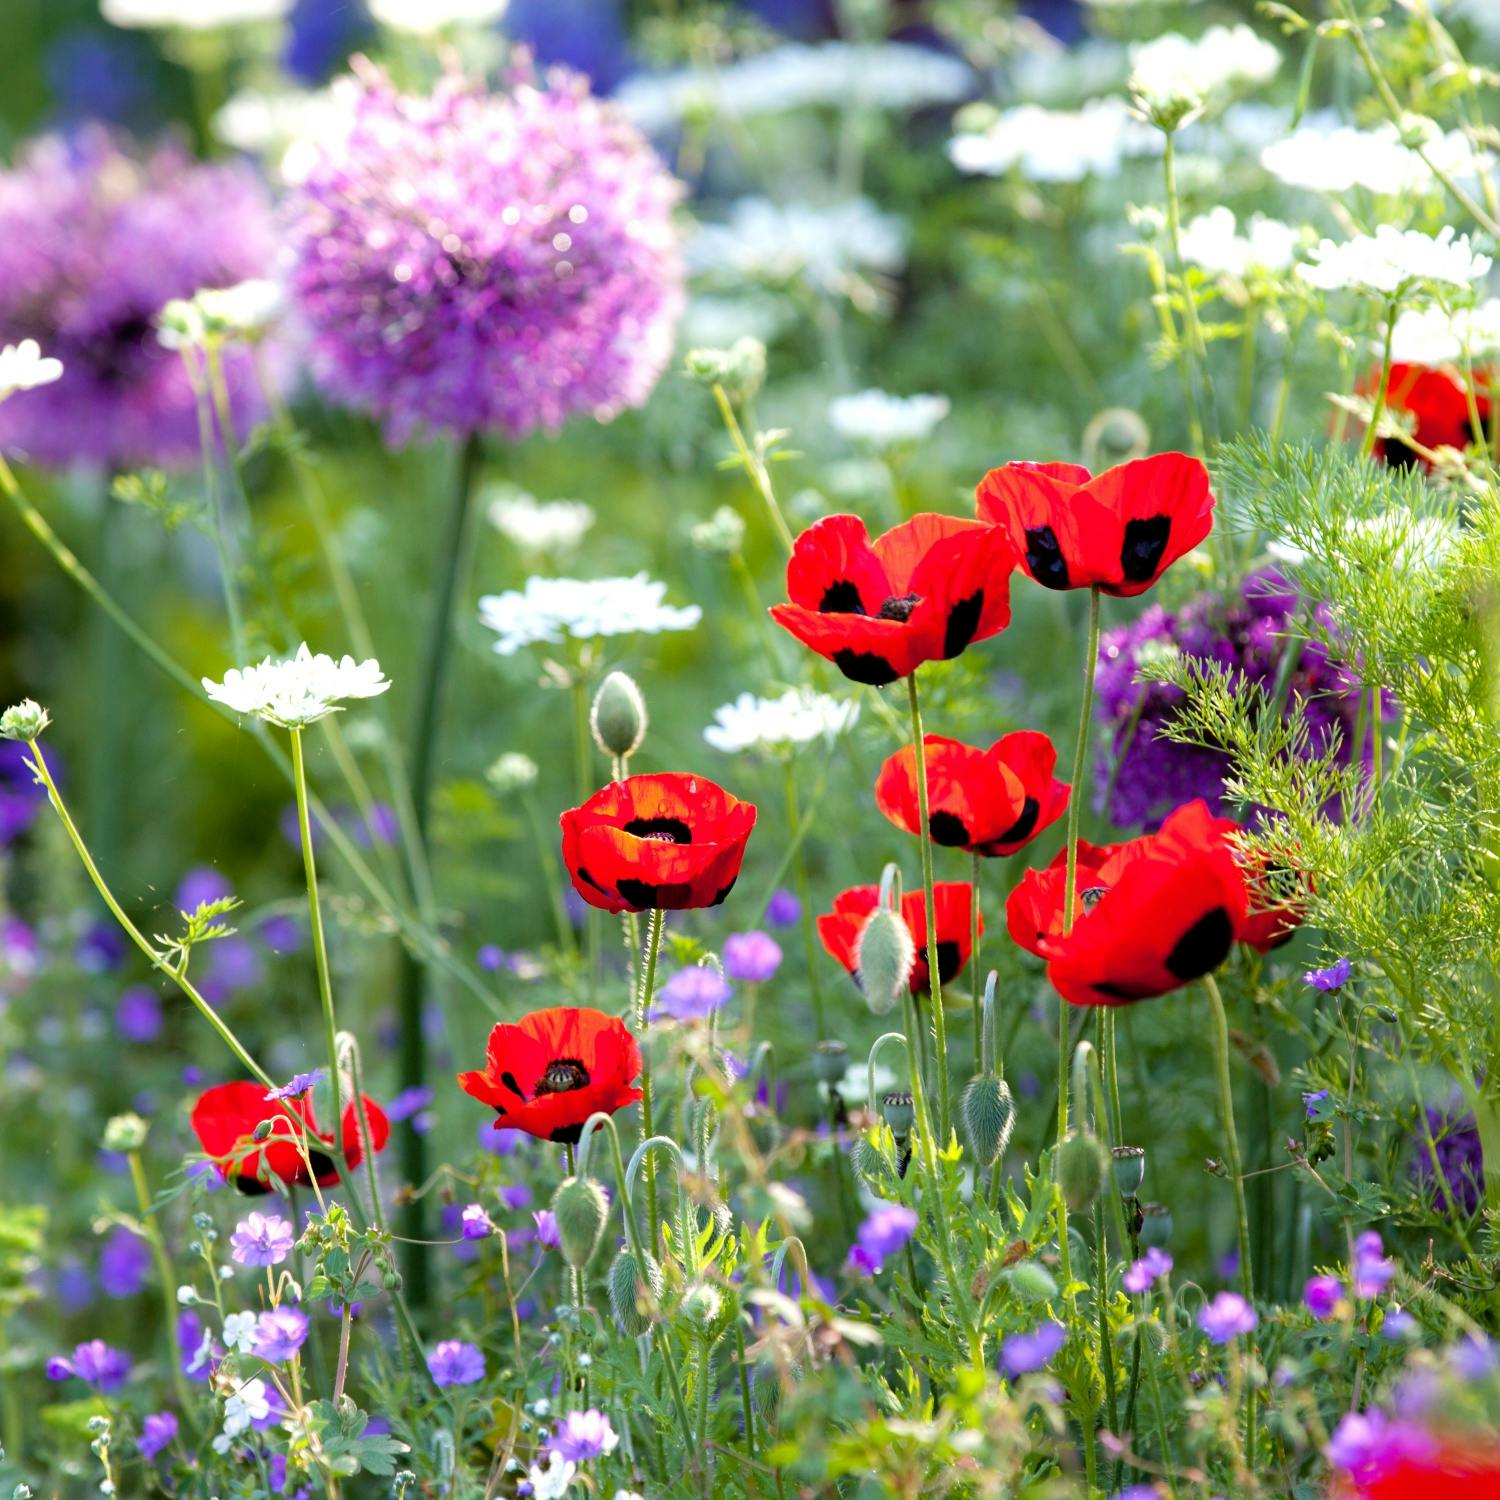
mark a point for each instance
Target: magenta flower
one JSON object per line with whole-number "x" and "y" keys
{"x": 1321, "y": 1295}
{"x": 1154, "y": 1264}
{"x": 475, "y": 262}
{"x": 261, "y": 1240}
{"x": 279, "y": 1333}
{"x": 1226, "y": 1316}
{"x": 453, "y": 1362}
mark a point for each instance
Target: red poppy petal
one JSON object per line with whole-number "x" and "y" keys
{"x": 1162, "y": 508}
{"x": 833, "y": 566}
{"x": 865, "y": 650}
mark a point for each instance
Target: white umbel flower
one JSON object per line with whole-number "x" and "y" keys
{"x": 882, "y": 420}
{"x": 536, "y": 526}
{"x": 425, "y": 17}
{"x": 191, "y": 15}
{"x": 1212, "y": 241}
{"x": 1392, "y": 259}
{"x": 298, "y": 691}
{"x": 1338, "y": 158}
{"x": 1435, "y": 336}
{"x": 552, "y": 1482}
{"x": 797, "y": 717}
{"x": 23, "y": 367}
{"x": 787, "y": 242}
{"x": 1054, "y": 145}
{"x": 246, "y": 311}
{"x": 548, "y": 609}
{"x": 1173, "y": 76}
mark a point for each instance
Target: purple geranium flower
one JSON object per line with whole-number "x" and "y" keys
{"x": 94, "y": 1362}
{"x": 883, "y": 1234}
{"x": 262, "y": 1240}
{"x": 297, "y": 1085}
{"x": 453, "y": 1362}
{"x": 1372, "y": 1273}
{"x": 691, "y": 995}
{"x": 476, "y": 1222}
{"x": 1155, "y": 1263}
{"x": 157, "y": 1431}
{"x": 124, "y": 1263}
{"x": 582, "y": 1435}
{"x": 1021, "y": 1353}
{"x": 1367, "y": 1444}
{"x": 138, "y": 1015}
{"x": 409, "y": 1102}
{"x": 1322, "y": 1295}
{"x": 1226, "y": 1316}
{"x": 783, "y": 909}
{"x": 1318, "y": 1107}
{"x": 546, "y": 1228}
{"x": 751, "y": 957}
{"x": 1334, "y": 977}
{"x": 279, "y": 1334}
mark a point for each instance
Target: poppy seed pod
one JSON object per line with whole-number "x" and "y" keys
{"x": 635, "y": 1289}
{"x": 580, "y": 1207}
{"x": 1081, "y": 1165}
{"x": 898, "y": 1112}
{"x": 618, "y": 716}
{"x": 830, "y": 1062}
{"x": 884, "y": 955}
{"x": 989, "y": 1115}
{"x": 1156, "y": 1225}
{"x": 1114, "y": 436}
{"x": 1130, "y": 1169}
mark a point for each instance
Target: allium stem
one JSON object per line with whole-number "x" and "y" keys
{"x": 934, "y": 976}
{"x": 432, "y": 673}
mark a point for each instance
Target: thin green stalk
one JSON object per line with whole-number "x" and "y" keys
{"x": 1372, "y": 431}
{"x": 642, "y": 1025}
{"x": 804, "y": 897}
{"x": 747, "y": 1406}
{"x": 934, "y": 975}
{"x": 212, "y": 493}
{"x": 754, "y": 468}
{"x": 976, "y": 969}
{"x": 583, "y": 755}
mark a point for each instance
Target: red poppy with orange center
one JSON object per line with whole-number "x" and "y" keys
{"x": 954, "y": 901}
{"x": 547, "y": 1074}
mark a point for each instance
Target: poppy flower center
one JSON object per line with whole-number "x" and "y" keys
{"x": 660, "y": 830}
{"x": 563, "y": 1075}
{"x": 898, "y": 609}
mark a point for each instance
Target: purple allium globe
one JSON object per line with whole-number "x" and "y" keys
{"x": 1460, "y": 1156}
{"x": 95, "y": 236}
{"x": 472, "y": 261}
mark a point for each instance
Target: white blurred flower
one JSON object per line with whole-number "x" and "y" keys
{"x": 1392, "y": 259}
{"x": 553, "y": 526}
{"x": 1334, "y": 159}
{"x": 1211, "y": 241}
{"x": 552, "y": 1482}
{"x": 239, "y": 1331}
{"x": 1054, "y": 145}
{"x": 1435, "y": 336}
{"x": 243, "y": 1407}
{"x": 514, "y": 771}
{"x": 1173, "y": 76}
{"x": 797, "y": 717}
{"x": 880, "y": 419}
{"x": 547, "y": 609}
{"x": 424, "y": 17}
{"x": 246, "y": 311}
{"x": 297, "y": 691}
{"x": 883, "y": 75}
{"x": 23, "y": 367}
{"x": 800, "y": 241}
{"x": 265, "y": 124}
{"x": 1409, "y": 543}
{"x": 191, "y": 15}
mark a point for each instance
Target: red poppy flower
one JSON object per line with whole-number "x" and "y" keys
{"x": 954, "y": 900}
{"x": 1149, "y": 915}
{"x": 224, "y": 1120}
{"x": 1274, "y": 914}
{"x": 1438, "y": 403}
{"x": 1118, "y": 531}
{"x": 989, "y": 802}
{"x": 1475, "y": 1475}
{"x": 548, "y": 1074}
{"x": 671, "y": 842}
{"x": 878, "y": 610}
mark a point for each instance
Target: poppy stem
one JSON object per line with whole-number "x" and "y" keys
{"x": 1377, "y": 410}
{"x": 809, "y": 939}
{"x": 643, "y": 1005}
{"x": 934, "y": 963}
{"x": 975, "y": 970}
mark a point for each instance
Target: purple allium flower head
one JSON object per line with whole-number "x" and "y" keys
{"x": 1321, "y": 1295}
{"x": 472, "y": 262}
{"x": 262, "y": 1240}
{"x": 582, "y": 1435}
{"x": 20, "y": 796}
{"x": 95, "y": 1362}
{"x": 546, "y": 1229}
{"x": 94, "y": 239}
{"x": 690, "y": 995}
{"x": 157, "y": 1431}
{"x": 1021, "y": 1353}
{"x": 1372, "y": 1273}
{"x": 124, "y": 1263}
{"x": 883, "y": 1234}
{"x": 476, "y": 1223}
{"x": 783, "y": 909}
{"x": 1334, "y": 977}
{"x": 297, "y": 1085}
{"x": 279, "y": 1334}
{"x": 751, "y": 957}
{"x": 1154, "y": 1264}
{"x": 455, "y": 1363}
{"x": 1460, "y": 1158}
{"x": 138, "y": 1015}
{"x": 1142, "y": 775}
{"x": 1226, "y": 1316}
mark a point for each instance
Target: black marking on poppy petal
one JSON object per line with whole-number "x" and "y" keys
{"x": 252, "y": 1186}
{"x": 841, "y": 598}
{"x": 1044, "y": 559}
{"x": 898, "y": 607}
{"x": 1399, "y": 455}
{"x": 500, "y": 1111}
{"x": 963, "y": 621}
{"x": 723, "y": 895}
{"x": 509, "y": 1080}
{"x": 562, "y": 1076}
{"x": 588, "y": 879}
{"x": 947, "y": 829}
{"x": 1145, "y": 542}
{"x": 866, "y": 667}
{"x": 321, "y": 1163}
{"x": 567, "y": 1135}
{"x": 637, "y": 893}
{"x": 666, "y": 830}
{"x": 1123, "y": 991}
{"x": 950, "y": 960}
{"x": 1204, "y": 946}
{"x": 1024, "y": 826}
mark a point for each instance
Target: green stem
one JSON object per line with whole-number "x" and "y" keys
{"x": 809, "y": 937}
{"x": 584, "y": 769}
{"x": 1372, "y": 430}
{"x": 934, "y": 975}
{"x": 642, "y": 1026}
{"x": 1196, "y": 360}
{"x": 976, "y": 970}
{"x": 756, "y": 470}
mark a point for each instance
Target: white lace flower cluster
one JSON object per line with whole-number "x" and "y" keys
{"x": 797, "y": 717}
{"x": 297, "y": 691}
{"x": 1394, "y": 260}
{"x": 23, "y": 367}
{"x": 882, "y": 420}
{"x": 548, "y": 609}
{"x": 541, "y": 526}
{"x": 1213, "y": 242}
{"x": 191, "y": 15}
{"x": 1436, "y": 336}
{"x": 1054, "y": 145}
{"x": 246, "y": 311}
{"x": 1174, "y": 77}
{"x": 1331, "y": 158}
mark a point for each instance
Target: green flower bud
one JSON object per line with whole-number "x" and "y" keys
{"x": 1081, "y": 1165}
{"x": 1032, "y": 1282}
{"x": 989, "y": 1115}
{"x": 1130, "y": 1169}
{"x": 884, "y": 956}
{"x": 899, "y": 1113}
{"x": 723, "y": 532}
{"x": 702, "y": 1304}
{"x": 24, "y": 720}
{"x": 580, "y": 1207}
{"x": 262, "y": 1130}
{"x": 868, "y": 1162}
{"x": 511, "y": 772}
{"x": 125, "y": 1133}
{"x": 635, "y": 1291}
{"x": 1156, "y": 1224}
{"x": 618, "y": 717}
{"x": 1114, "y": 436}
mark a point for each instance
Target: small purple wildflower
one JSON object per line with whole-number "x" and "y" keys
{"x": 1322, "y": 1295}
{"x": 546, "y": 1229}
{"x": 1022, "y": 1353}
{"x": 157, "y": 1431}
{"x": 783, "y": 909}
{"x": 1367, "y": 1444}
{"x": 476, "y": 1222}
{"x": 491, "y": 958}
{"x": 1460, "y": 1159}
{"x": 138, "y": 1016}
{"x": 261, "y": 1240}
{"x": 1226, "y": 1316}
{"x": 1334, "y": 977}
{"x": 690, "y": 995}
{"x": 124, "y": 1263}
{"x": 100, "y": 949}
{"x": 298, "y": 1085}
{"x": 751, "y": 957}
{"x": 1153, "y": 1265}
{"x": 1318, "y": 1106}
{"x": 1397, "y": 1325}
{"x": 883, "y": 1234}
{"x": 281, "y": 934}
{"x": 409, "y": 1102}
{"x": 516, "y": 1195}
{"x": 1372, "y": 1273}
{"x": 94, "y": 1362}
{"x": 582, "y": 1435}
{"x": 279, "y": 1334}
{"x": 453, "y": 1362}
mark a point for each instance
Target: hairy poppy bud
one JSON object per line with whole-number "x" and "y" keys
{"x": 1156, "y": 1224}
{"x": 125, "y": 1133}
{"x": 989, "y": 1114}
{"x": 702, "y": 1304}
{"x": 580, "y": 1207}
{"x": 884, "y": 956}
{"x": 898, "y": 1112}
{"x": 1114, "y": 436}
{"x": 830, "y": 1061}
{"x": 1130, "y": 1169}
{"x": 1032, "y": 1282}
{"x": 1081, "y": 1165}
{"x": 618, "y": 717}
{"x": 635, "y": 1289}
{"x": 868, "y": 1162}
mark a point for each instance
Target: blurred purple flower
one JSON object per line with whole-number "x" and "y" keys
{"x": 1021, "y": 1353}
{"x": 281, "y": 934}
{"x": 157, "y": 1431}
{"x": 546, "y": 1229}
{"x": 1155, "y": 1263}
{"x": 783, "y": 909}
{"x": 20, "y": 796}
{"x": 138, "y": 1014}
{"x": 1322, "y": 1295}
{"x": 1334, "y": 977}
{"x": 94, "y": 1362}
{"x": 279, "y": 1333}
{"x": 884, "y": 1233}
{"x": 1371, "y": 1272}
{"x": 690, "y": 995}
{"x": 475, "y": 1222}
{"x": 1460, "y": 1158}
{"x": 200, "y": 886}
{"x": 751, "y": 957}
{"x": 262, "y": 1240}
{"x": 453, "y": 1362}
{"x": 1226, "y": 1316}
{"x": 582, "y": 1435}
{"x": 124, "y": 1263}
{"x": 100, "y": 949}
{"x": 1368, "y": 1444}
